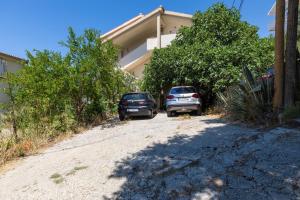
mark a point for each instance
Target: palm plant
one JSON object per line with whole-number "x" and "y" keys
{"x": 250, "y": 100}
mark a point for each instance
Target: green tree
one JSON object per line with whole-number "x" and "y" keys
{"x": 54, "y": 93}
{"x": 93, "y": 73}
{"x": 40, "y": 94}
{"x": 210, "y": 54}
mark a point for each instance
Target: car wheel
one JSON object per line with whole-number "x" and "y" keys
{"x": 151, "y": 114}
{"x": 199, "y": 111}
{"x": 121, "y": 117}
{"x": 169, "y": 113}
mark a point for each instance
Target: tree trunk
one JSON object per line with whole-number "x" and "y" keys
{"x": 291, "y": 53}
{"x": 279, "y": 54}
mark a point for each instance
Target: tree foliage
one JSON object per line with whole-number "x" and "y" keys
{"x": 210, "y": 54}
{"x": 53, "y": 92}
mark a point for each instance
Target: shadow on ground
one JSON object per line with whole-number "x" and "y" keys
{"x": 220, "y": 162}
{"x": 142, "y": 118}
{"x": 111, "y": 123}
{"x": 115, "y": 121}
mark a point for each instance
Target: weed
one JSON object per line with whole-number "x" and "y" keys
{"x": 58, "y": 180}
{"x": 72, "y": 172}
{"x": 75, "y": 169}
{"x": 55, "y": 176}
{"x": 80, "y": 168}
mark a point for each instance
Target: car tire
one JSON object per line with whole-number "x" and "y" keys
{"x": 122, "y": 117}
{"x": 151, "y": 116}
{"x": 199, "y": 111}
{"x": 169, "y": 114}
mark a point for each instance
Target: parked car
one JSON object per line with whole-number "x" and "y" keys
{"x": 137, "y": 104}
{"x": 183, "y": 99}
{"x": 269, "y": 74}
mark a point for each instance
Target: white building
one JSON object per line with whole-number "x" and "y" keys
{"x": 272, "y": 12}
{"x": 8, "y": 63}
{"x": 141, "y": 34}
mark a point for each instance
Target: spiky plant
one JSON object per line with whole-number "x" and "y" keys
{"x": 250, "y": 100}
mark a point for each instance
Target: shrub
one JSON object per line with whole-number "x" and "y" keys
{"x": 250, "y": 100}
{"x": 291, "y": 112}
{"x": 210, "y": 54}
{"x": 54, "y": 93}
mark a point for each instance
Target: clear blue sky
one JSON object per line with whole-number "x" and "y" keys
{"x": 41, "y": 24}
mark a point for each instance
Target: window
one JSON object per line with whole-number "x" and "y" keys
{"x": 2, "y": 67}
{"x": 134, "y": 96}
{"x": 182, "y": 90}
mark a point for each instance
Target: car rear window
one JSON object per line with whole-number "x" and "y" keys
{"x": 182, "y": 90}
{"x": 135, "y": 96}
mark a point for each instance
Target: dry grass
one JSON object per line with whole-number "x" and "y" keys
{"x": 217, "y": 115}
{"x": 184, "y": 117}
{"x": 9, "y": 165}
{"x": 10, "y": 150}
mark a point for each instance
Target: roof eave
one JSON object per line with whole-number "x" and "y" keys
{"x": 124, "y": 29}
{"x": 122, "y": 26}
{"x": 138, "y": 20}
{"x": 4, "y": 55}
{"x": 272, "y": 11}
{"x": 167, "y": 12}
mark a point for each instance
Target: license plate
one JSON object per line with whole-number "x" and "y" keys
{"x": 132, "y": 110}
{"x": 183, "y": 99}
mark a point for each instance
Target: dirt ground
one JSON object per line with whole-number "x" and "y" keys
{"x": 162, "y": 158}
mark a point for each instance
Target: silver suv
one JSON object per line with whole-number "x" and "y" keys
{"x": 183, "y": 99}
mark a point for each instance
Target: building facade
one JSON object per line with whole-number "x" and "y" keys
{"x": 138, "y": 37}
{"x": 272, "y": 12}
{"x": 8, "y": 63}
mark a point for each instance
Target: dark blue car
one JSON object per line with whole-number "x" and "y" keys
{"x": 137, "y": 104}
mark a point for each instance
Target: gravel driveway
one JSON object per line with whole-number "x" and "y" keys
{"x": 162, "y": 158}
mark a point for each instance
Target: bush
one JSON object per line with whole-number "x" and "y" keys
{"x": 291, "y": 112}
{"x": 210, "y": 54}
{"x": 54, "y": 94}
{"x": 249, "y": 101}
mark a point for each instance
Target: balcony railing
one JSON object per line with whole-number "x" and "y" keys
{"x": 133, "y": 55}
{"x": 165, "y": 41}
{"x": 148, "y": 45}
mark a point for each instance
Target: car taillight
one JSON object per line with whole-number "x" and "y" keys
{"x": 143, "y": 102}
{"x": 125, "y": 102}
{"x": 196, "y": 96}
{"x": 170, "y": 97}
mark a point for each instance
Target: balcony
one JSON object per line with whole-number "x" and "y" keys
{"x": 165, "y": 41}
{"x": 148, "y": 45}
{"x": 133, "y": 55}
{"x": 271, "y": 26}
